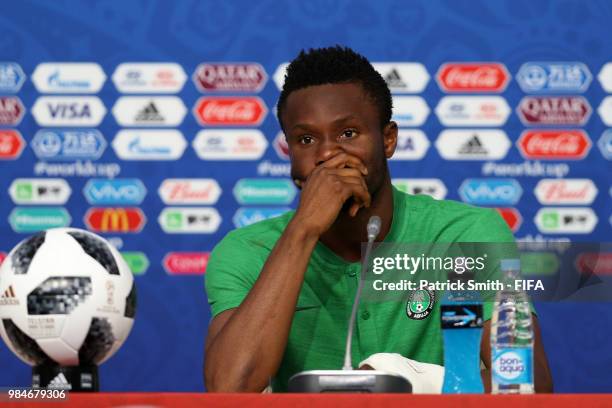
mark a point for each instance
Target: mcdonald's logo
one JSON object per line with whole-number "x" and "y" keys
{"x": 116, "y": 220}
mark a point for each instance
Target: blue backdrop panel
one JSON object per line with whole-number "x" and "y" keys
{"x": 165, "y": 349}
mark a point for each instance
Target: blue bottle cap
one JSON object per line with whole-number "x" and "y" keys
{"x": 511, "y": 264}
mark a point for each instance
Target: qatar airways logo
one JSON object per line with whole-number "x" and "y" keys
{"x": 473, "y": 77}
{"x": 230, "y": 77}
{"x": 554, "y": 144}
{"x": 554, "y": 110}
{"x": 230, "y": 111}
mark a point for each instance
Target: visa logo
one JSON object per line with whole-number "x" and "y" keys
{"x": 69, "y": 111}
{"x": 114, "y": 192}
{"x": 488, "y": 191}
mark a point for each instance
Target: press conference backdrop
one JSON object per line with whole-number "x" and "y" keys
{"x": 167, "y": 139}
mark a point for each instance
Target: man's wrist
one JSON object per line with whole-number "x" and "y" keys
{"x": 303, "y": 230}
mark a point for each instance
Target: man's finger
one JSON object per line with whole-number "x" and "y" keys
{"x": 343, "y": 160}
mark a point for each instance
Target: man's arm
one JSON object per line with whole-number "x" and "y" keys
{"x": 245, "y": 345}
{"x": 541, "y": 374}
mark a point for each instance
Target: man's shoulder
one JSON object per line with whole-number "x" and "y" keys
{"x": 451, "y": 220}
{"x": 262, "y": 234}
{"x": 427, "y": 205}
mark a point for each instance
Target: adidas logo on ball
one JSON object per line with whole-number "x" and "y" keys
{"x": 8, "y": 298}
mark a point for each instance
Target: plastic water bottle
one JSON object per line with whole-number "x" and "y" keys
{"x": 511, "y": 337}
{"x": 461, "y": 318}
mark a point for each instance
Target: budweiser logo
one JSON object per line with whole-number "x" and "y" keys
{"x": 189, "y": 191}
{"x": 566, "y": 191}
{"x": 554, "y": 144}
{"x": 485, "y": 77}
{"x": 185, "y": 191}
{"x": 230, "y": 111}
{"x": 560, "y": 192}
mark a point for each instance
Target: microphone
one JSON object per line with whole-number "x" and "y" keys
{"x": 373, "y": 229}
{"x": 347, "y": 379}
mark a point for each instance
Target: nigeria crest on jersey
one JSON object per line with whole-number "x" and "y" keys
{"x": 420, "y": 304}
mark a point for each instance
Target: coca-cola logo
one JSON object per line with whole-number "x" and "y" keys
{"x": 186, "y": 263}
{"x": 554, "y": 110}
{"x": 11, "y": 144}
{"x": 230, "y": 111}
{"x": 554, "y": 144}
{"x": 473, "y": 77}
{"x": 230, "y": 77}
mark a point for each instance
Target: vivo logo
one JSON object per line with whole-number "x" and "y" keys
{"x": 114, "y": 192}
{"x": 489, "y": 191}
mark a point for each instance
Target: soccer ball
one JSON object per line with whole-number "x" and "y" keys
{"x": 67, "y": 298}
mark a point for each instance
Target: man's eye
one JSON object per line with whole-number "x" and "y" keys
{"x": 349, "y": 133}
{"x": 306, "y": 140}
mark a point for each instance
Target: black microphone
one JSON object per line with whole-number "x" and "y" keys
{"x": 347, "y": 379}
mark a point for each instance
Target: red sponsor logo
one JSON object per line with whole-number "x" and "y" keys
{"x": 11, "y": 110}
{"x": 190, "y": 191}
{"x": 579, "y": 191}
{"x": 227, "y": 77}
{"x": 116, "y": 220}
{"x": 512, "y": 217}
{"x": 554, "y": 110}
{"x": 186, "y": 263}
{"x": 595, "y": 262}
{"x": 230, "y": 111}
{"x": 473, "y": 77}
{"x": 561, "y": 144}
{"x": 2, "y": 257}
{"x": 11, "y": 144}
{"x": 280, "y": 146}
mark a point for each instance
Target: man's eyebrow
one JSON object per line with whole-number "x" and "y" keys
{"x": 337, "y": 121}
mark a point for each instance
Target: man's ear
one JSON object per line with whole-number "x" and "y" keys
{"x": 390, "y": 138}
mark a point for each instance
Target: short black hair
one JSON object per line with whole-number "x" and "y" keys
{"x": 336, "y": 65}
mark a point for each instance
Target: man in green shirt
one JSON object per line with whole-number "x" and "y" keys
{"x": 281, "y": 290}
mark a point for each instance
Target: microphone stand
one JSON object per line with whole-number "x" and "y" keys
{"x": 348, "y": 379}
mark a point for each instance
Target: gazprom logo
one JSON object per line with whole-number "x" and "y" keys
{"x": 490, "y": 191}
{"x": 114, "y": 192}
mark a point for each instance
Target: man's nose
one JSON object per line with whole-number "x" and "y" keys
{"x": 327, "y": 149}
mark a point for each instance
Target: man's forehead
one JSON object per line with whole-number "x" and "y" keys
{"x": 329, "y": 101}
